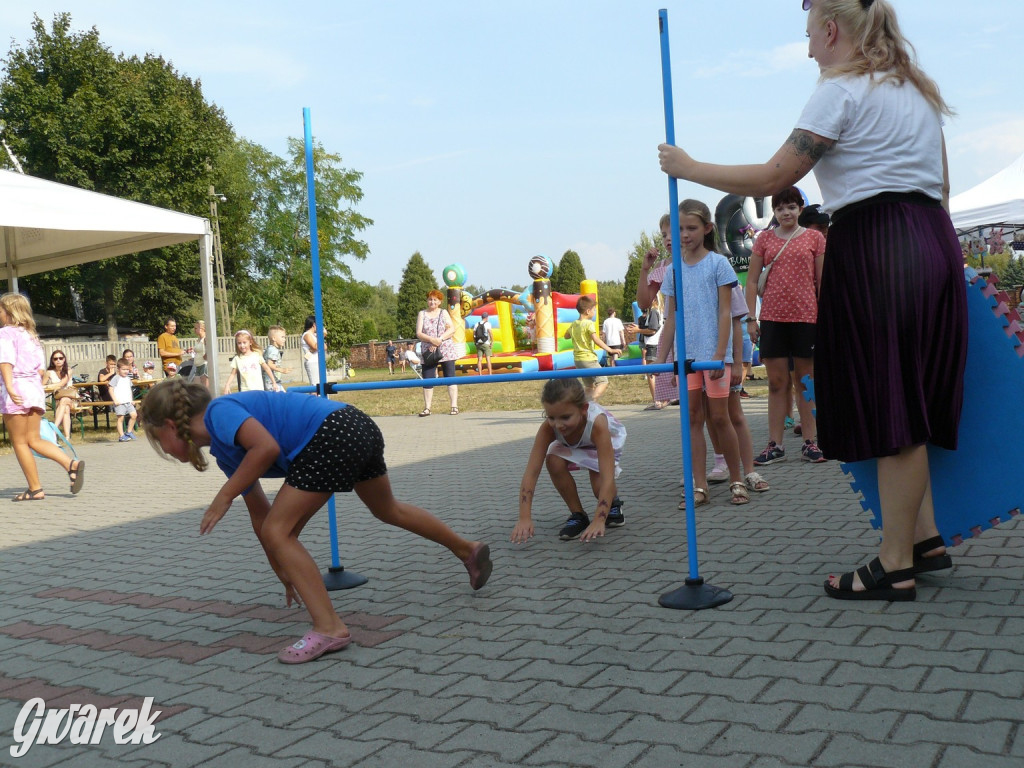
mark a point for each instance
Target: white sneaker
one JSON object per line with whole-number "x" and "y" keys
{"x": 718, "y": 475}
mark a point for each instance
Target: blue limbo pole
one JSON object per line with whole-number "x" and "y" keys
{"x": 694, "y": 594}
{"x": 336, "y": 577}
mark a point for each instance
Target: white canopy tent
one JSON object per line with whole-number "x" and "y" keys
{"x": 47, "y": 226}
{"x": 996, "y": 202}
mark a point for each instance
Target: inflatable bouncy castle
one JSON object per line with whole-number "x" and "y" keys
{"x": 527, "y": 327}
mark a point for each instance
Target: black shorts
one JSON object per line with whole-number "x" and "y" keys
{"x": 786, "y": 339}
{"x": 348, "y": 448}
{"x": 447, "y": 370}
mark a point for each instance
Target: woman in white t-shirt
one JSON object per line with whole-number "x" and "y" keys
{"x": 892, "y": 319}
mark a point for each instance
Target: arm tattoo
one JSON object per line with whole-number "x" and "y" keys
{"x": 525, "y": 495}
{"x": 602, "y": 510}
{"x": 805, "y": 146}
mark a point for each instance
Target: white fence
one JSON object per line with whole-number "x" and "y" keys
{"x": 90, "y": 357}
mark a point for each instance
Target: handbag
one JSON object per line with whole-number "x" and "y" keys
{"x": 432, "y": 357}
{"x": 762, "y": 280}
{"x": 69, "y": 392}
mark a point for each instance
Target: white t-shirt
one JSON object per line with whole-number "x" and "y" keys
{"x": 888, "y": 139}
{"x": 250, "y": 366}
{"x": 120, "y": 389}
{"x": 612, "y": 329}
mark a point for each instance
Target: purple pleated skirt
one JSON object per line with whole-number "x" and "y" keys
{"x": 892, "y": 329}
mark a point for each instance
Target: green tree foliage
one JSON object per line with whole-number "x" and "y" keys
{"x": 629, "y": 289}
{"x": 129, "y": 127}
{"x": 569, "y": 274}
{"x": 268, "y": 264}
{"x": 636, "y": 256}
{"x": 417, "y": 280}
{"x": 1012, "y": 274}
{"x": 609, "y": 295}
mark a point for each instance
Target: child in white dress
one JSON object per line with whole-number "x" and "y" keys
{"x": 576, "y": 434}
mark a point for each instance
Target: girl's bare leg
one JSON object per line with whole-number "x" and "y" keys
{"x": 698, "y": 446}
{"x": 279, "y": 535}
{"x": 24, "y": 430}
{"x": 744, "y": 440}
{"x": 779, "y": 398}
{"x": 718, "y": 414}
{"x": 804, "y": 366}
{"x": 376, "y": 494}
{"x": 562, "y": 479}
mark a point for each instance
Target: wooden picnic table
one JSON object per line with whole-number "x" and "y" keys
{"x": 95, "y": 405}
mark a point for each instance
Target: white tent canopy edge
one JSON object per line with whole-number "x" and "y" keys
{"x": 997, "y": 201}
{"x": 47, "y": 226}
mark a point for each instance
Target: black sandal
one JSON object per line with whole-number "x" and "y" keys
{"x": 924, "y": 564}
{"x": 30, "y": 495}
{"x": 77, "y": 475}
{"x": 878, "y": 585}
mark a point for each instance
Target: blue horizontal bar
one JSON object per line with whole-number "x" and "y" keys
{"x": 498, "y": 378}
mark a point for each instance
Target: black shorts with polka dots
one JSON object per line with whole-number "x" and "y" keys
{"x": 348, "y": 448}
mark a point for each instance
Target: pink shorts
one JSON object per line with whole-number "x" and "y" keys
{"x": 715, "y": 388}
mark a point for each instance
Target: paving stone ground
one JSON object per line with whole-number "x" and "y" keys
{"x": 564, "y": 659}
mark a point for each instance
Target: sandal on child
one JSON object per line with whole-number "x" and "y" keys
{"x": 924, "y": 564}
{"x": 77, "y": 475}
{"x": 739, "y": 493}
{"x": 30, "y": 495}
{"x": 698, "y": 500}
{"x": 756, "y": 483}
{"x": 479, "y": 565}
{"x": 878, "y": 585}
{"x": 454, "y": 411}
{"x": 313, "y": 645}
{"x": 424, "y": 412}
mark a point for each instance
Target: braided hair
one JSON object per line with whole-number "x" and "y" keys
{"x": 178, "y": 400}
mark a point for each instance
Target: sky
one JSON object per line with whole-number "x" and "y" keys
{"x": 490, "y": 132}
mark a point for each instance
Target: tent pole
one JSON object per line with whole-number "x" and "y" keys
{"x": 209, "y": 308}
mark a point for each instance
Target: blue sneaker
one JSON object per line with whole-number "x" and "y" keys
{"x": 574, "y": 526}
{"x": 615, "y": 517}
{"x": 123, "y": 439}
{"x": 770, "y": 455}
{"x": 130, "y": 435}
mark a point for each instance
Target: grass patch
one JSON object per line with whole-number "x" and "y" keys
{"x": 507, "y": 396}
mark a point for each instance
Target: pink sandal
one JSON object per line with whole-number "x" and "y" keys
{"x": 313, "y": 645}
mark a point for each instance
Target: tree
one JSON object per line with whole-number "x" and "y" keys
{"x": 569, "y": 274}
{"x": 629, "y": 288}
{"x": 1013, "y": 274}
{"x": 129, "y": 127}
{"x": 417, "y": 281}
{"x": 271, "y": 268}
{"x": 636, "y": 255}
{"x": 609, "y": 296}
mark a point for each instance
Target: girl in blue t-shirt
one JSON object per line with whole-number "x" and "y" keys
{"x": 318, "y": 446}
{"x": 707, "y": 281}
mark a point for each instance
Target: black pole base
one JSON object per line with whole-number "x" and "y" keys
{"x": 339, "y": 578}
{"x": 694, "y": 596}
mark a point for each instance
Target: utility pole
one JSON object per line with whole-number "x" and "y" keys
{"x": 218, "y": 262}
